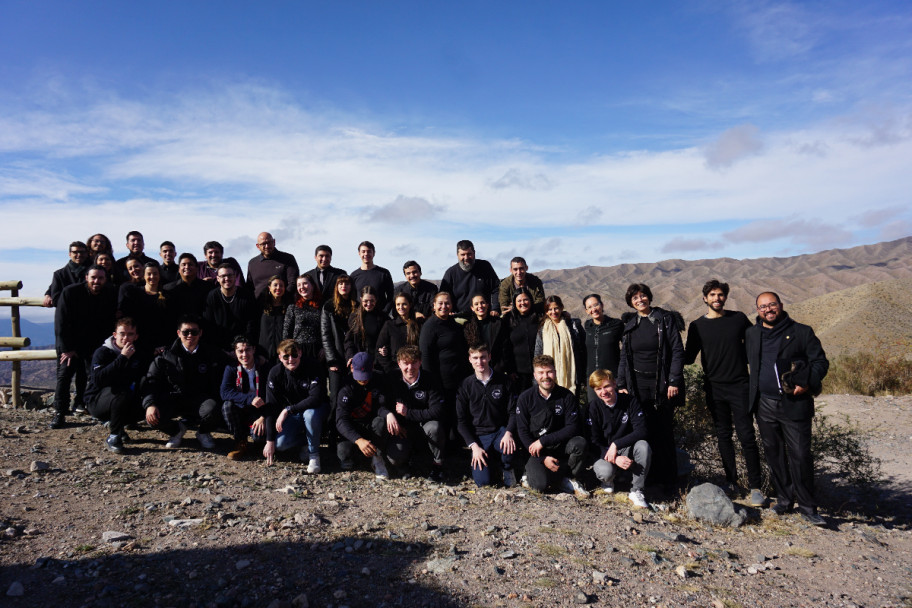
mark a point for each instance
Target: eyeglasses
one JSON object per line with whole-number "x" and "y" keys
{"x": 189, "y": 332}
{"x": 287, "y": 357}
{"x": 770, "y": 306}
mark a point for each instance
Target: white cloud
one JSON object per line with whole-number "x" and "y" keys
{"x": 733, "y": 145}
{"x": 405, "y": 210}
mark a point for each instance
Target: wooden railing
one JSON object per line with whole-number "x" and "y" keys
{"x": 17, "y": 341}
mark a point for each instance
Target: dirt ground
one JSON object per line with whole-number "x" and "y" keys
{"x": 185, "y": 527}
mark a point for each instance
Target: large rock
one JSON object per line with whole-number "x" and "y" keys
{"x": 708, "y": 502}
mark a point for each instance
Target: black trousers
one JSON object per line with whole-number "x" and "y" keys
{"x": 572, "y": 461}
{"x": 120, "y": 408}
{"x": 660, "y": 431}
{"x": 207, "y": 411}
{"x": 728, "y": 403}
{"x": 374, "y": 431}
{"x": 78, "y": 369}
{"x": 787, "y": 444}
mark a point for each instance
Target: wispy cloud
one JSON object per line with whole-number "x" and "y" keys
{"x": 799, "y": 231}
{"x": 405, "y": 210}
{"x": 686, "y": 245}
{"x": 733, "y": 145}
{"x": 519, "y": 178}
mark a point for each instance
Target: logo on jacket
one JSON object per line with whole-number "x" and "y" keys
{"x": 497, "y": 393}
{"x": 420, "y": 395}
{"x": 202, "y": 368}
{"x": 624, "y": 418}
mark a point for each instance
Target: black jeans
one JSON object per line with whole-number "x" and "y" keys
{"x": 728, "y": 403}
{"x": 348, "y": 451}
{"x": 78, "y": 369}
{"x": 199, "y": 408}
{"x": 787, "y": 444}
{"x": 120, "y": 408}
{"x": 572, "y": 461}
{"x": 660, "y": 428}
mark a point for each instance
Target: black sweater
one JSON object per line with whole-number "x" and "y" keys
{"x": 553, "y": 420}
{"x": 444, "y": 352}
{"x": 721, "y": 344}
{"x": 484, "y": 408}
{"x": 423, "y": 400}
{"x": 623, "y": 424}
{"x": 357, "y": 405}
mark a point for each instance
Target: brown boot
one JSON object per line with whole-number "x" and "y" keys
{"x": 240, "y": 450}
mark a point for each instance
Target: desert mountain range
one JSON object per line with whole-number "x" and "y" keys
{"x": 856, "y": 299}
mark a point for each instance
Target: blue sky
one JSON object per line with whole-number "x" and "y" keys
{"x": 585, "y": 133}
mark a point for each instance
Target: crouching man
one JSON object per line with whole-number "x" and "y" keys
{"x": 618, "y": 436}
{"x": 184, "y": 381}
{"x": 416, "y": 418}
{"x": 548, "y": 423}
{"x": 485, "y": 407}
{"x": 244, "y": 406}
{"x": 118, "y": 369}
{"x": 361, "y": 429}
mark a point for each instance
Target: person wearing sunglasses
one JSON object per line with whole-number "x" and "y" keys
{"x": 72, "y": 273}
{"x": 184, "y": 381}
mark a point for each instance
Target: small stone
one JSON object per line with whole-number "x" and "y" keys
{"x": 441, "y": 566}
{"x": 300, "y": 601}
{"x": 599, "y": 578}
{"x": 760, "y": 558}
{"x": 113, "y": 537}
{"x": 14, "y": 472}
{"x": 38, "y": 465}
{"x": 15, "y": 590}
{"x": 682, "y": 571}
{"x": 508, "y": 555}
{"x": 366, "y": 571}
{"x": 58, "y": 581}
{"x": 241, "y": 564}
{"x": 184, "y": 523}
{"x": 752, "y": 570}
{"x": 340, "y": 594}
{"x": 581, "y": 598}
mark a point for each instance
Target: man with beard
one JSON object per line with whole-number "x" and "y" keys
{"x": 72, "y": 273}
{"x": 787, "y": 366}
{"x": 135, "y": 247}
{"x": 470, "y": 276}
{"x": 719, "y": 337}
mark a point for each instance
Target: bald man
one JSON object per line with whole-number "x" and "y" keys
{"x": 270, "y": 262}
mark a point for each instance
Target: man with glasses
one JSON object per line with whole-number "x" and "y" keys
{"x": 270, "y": 262}
{"x": 230, "y": 311}
{"x": 184, "y": 381}
{"x": 787, "y": 366}
{"x": 72, "y": 273}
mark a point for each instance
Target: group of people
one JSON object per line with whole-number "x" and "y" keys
{"x": 386, "y": 373}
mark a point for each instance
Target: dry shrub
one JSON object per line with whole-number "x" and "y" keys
{"x": 870, "y": 373}
{"x": 840, "y": 450}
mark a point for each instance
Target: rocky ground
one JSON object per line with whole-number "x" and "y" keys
{"x": 84, "y": 527}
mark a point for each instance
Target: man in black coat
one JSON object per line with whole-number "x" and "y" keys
{"x": 324, "y": 273}
{"x": 787, "y": 366}
{"x": 422, "y": 292}
{"x": 72, "y": 273}
{"x": 135, "y": 247}
{"x": 83, "y": 320}
{"x": 468, "y": 277}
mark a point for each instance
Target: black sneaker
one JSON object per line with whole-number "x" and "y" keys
{"x": 814, "y": 519}
{"x": 437, "y": 475}
{"x": 124, "y": 438}
{"x": 80, "y": 409}
{"x": 781, "y": 508}
{"x": 58, "y": 421}
{"x": 114, "y": 444}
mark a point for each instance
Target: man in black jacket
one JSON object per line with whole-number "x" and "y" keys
{"x": 468, "y": 277}
{"x": 325, "y": 274}
{"x": 135, "y": 247}
{"x": 375, "y": 276}
{"x": 719, "y": 337}
{"x": 83, "y": 320}
{"x": 361, "y": 428}
{"x": 270, "y": 262}
{"x": 230, "y": 310}
{"x": 787, "y": 366}
{"x": 184, "y": 381}
{"x": 618, "y": 436}
{"x": 188, "y": 295}
{"x": 486, "y": 410}
{"x": 72, "y": 273}
{"x": 414, "y": 413}
{"x": 548, "y": 424}
{"x": 422, "y": 292}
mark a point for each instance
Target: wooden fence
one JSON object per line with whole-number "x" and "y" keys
{"x": 17, "y": 341}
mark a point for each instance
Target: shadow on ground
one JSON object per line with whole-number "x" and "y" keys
{"x": 351, "y": 571}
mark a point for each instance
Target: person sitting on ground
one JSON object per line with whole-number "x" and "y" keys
{"x": 361, "y": 430}
{"x": 617, "y": 428}
{"x": 414, "y": 414}
{"x": 298, "y": 390}
{"x": 244, "y": 406}
{"x": 119, "y": 367}
{"x": 548, "y": 424}
{"x": 485, "y": 409}
{"x": 184, "y": 381}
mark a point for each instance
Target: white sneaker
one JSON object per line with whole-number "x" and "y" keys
{"x": 205, "y": 440}
{"x": 638, "y": 500}
{"x": 175, "y": 440}
{"x": 380, "y": 468}
{"x": 509, "y": 479}
{"x": 572, "y": 486}
{"x": 524, "y": 482}
{"x": 607, "y": 487}
{"x": 313, "y": 466}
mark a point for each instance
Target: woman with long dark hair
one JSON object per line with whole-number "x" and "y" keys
{"x": 302, "y": 320}
{"x": 364, "y": 326}
{"x": 564, "y": 339}
{"x": 522, "y": 325}
{"x": 403, "y": 330}
{"x": 652, "y": 368}
{"x": 273, "y": 303}
{"x": 483, "y": 328}
{"x": 444, "y": 352}
{"x": 334, "y": 318}
{"x": 99, "y": 243}
{"x": 145, "y": 303}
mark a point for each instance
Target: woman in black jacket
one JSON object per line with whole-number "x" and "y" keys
{"x": 482, "y": 328}
{"x": 364, "y": 326}
{"x": 273, "y": 302}
{"x": 334, "y": 317}
{"x": 444, "y": 353}
{"x": 522, "y": 325}
{"x": 145, "y": 303}
{"x": 401, "y": 331}
{"x": 652, "y": 368}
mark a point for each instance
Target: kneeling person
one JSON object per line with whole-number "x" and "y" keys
{"x": 618, "y": 435}
{"x": 244, "y": 407}
{"x": 184, "y": 381}
{"x": 361, "y": 429}
{"x": 485, "y": 409}
{"x": 118, "y": 369}
{"x": 548, "y": 424}
{"x": 295, "y": 386}
{"x": 417, "y": 415}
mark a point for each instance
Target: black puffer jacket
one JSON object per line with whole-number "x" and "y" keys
{"x": 671, "y": 352}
